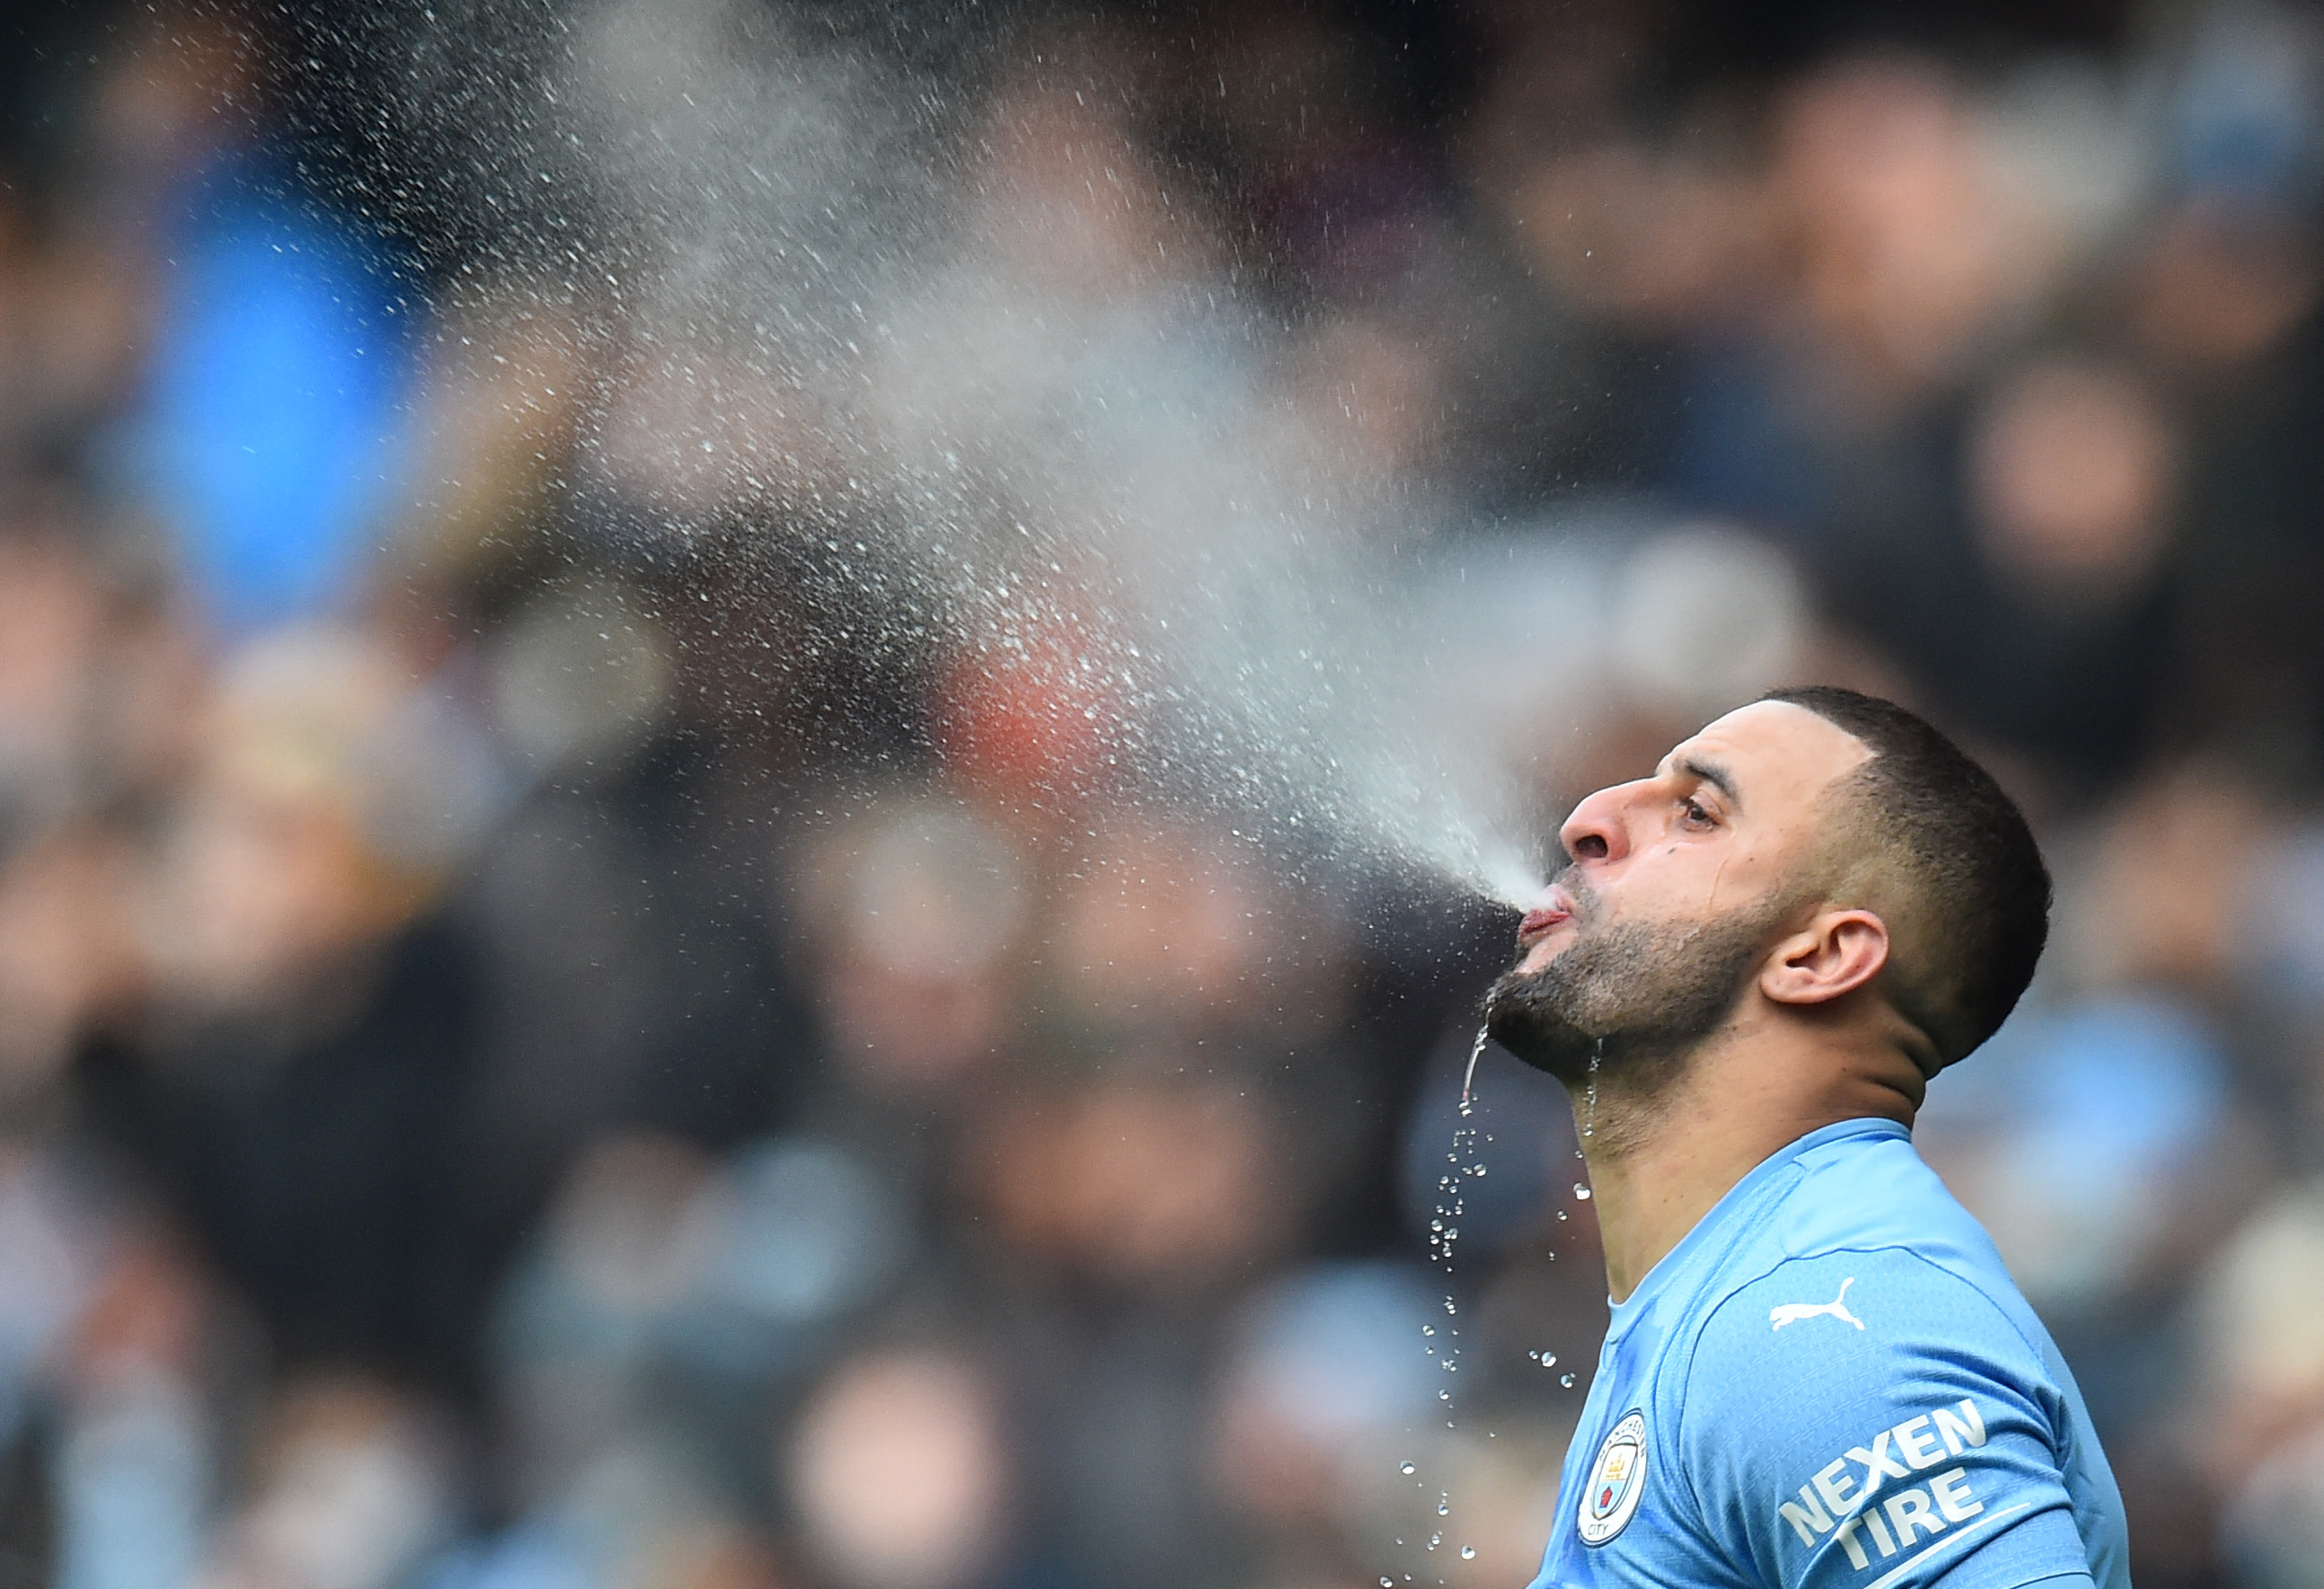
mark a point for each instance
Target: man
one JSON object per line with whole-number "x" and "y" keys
{"x": 1818, "y": 1372}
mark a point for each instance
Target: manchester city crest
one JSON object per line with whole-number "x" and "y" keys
{"x": 1616, "y": 1479}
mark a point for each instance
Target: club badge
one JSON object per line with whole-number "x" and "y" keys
{"x": 1616, "y": 1480}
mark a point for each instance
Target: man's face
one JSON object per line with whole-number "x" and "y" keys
{"x": 1679, "y": 884}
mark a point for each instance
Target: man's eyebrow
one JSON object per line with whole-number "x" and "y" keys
{"x": 1713, "y": 774}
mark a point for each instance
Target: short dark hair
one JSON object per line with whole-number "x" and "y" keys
{"x": 1978, "y": 885}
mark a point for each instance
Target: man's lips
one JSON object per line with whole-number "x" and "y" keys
{"x": 1553, "y": 911}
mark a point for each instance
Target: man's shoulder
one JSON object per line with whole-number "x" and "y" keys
{"x": 1867, "y": 1202}
{"x": 1866, "y": 1286}
{"x": 1865, "y": 1265}
{"x": 1872, "y": 1380}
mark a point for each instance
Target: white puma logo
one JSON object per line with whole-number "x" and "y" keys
{"x": 1792, "y": 1312}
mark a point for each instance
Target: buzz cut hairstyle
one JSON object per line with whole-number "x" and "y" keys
{"x": 1975, "y": 875}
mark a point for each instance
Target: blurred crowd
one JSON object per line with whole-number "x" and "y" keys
{"x": 532, "y": 1059}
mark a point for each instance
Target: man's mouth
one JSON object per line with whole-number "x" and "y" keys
{"x": 1553, "y": 910}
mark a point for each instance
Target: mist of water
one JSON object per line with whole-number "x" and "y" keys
{"x": 907, "y": 318}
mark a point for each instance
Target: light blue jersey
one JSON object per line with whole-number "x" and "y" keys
{"x": 1833, "y": 1383}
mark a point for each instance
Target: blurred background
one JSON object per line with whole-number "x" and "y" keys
{"x": 540, "y": 1050}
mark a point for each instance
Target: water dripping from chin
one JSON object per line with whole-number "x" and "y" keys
{"x": 1468, "y": 1076}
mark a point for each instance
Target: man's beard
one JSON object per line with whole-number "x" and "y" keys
{"x": 1639, "y": 996}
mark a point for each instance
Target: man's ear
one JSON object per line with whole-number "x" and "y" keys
{"x": 1837, "y": 953}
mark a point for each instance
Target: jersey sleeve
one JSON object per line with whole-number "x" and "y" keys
{"x": 1869, "y": 1420}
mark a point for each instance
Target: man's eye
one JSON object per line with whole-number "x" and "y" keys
{"x": 1694, "y": 811}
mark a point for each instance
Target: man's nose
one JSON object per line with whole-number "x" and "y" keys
{"x": 1599, "y": 828}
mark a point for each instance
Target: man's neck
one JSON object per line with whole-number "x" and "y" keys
{"x": 1662, "y": 1154}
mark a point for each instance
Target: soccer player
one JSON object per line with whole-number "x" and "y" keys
{"x": 1819, "y": 1374}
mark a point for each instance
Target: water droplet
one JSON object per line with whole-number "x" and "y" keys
{"x": 1582, "y": 1191}
{"x": 1548, "y": 1359}
{"x": 1403, "y": 1467}
{"x": 1386, "y": 1582}
{"x": 1447, "y": 1395}
{"x": 1566, "y": 1380}
{"x": 1435, "y": 1540}
{"x": 1443, "y": 1508}
{"x": 1428, "y": 1330}
{"x": 1468, "y": 1553}
{"x": 1561, "y": 1213}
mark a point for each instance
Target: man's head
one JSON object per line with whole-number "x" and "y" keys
{"x": 1815, "y": 846}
